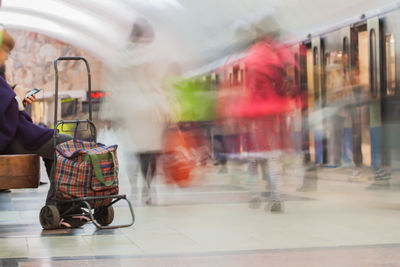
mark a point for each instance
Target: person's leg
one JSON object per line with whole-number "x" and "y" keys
{"x": 143, "y": 169}
{"x": 264, "y": 169}
{"x": 376, "y": 148}
{"x": 148, "y": 163}
{"x": 151, "y": 171}
{"x": 217, "y": 148}
{"x": 376, "y": 154}
{"x": 275, "y": 173}
{"x": 152, "y": 167}
{"x": 347, "y": 147}
{"x": 46, "y": 151}
{"x": 356, "y": 158}
{"x": 223, "y": 155}
{"x": 255, "y": 201}
{"x": 275, "y": 169}
{"x": 357, "y": 154}
{"x": 318, "y": 146}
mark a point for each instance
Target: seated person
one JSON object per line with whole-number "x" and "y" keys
{"x": 18, "y": 134}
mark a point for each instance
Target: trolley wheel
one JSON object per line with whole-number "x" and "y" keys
{"x": 104, "y": 215}
{"x": 49, "y": 217}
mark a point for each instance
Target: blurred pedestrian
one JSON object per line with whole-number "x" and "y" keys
{"x": 267, "y": 101}
{"x": 134, "y": 76}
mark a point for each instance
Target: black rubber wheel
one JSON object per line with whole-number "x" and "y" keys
{"x": 49, "y": 217}
{"x": 104, "y": 215}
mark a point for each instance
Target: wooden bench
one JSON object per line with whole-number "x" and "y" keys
{"x": 19, "y": 171}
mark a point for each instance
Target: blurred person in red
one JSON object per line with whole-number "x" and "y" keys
{"x": 265, "y": 103}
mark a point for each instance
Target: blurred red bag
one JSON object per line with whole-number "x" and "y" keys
{"x": 178, "y": 159}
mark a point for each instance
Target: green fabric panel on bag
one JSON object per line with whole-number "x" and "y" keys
{"x": 100, "y": 157}
{"x": 95, "y": 159}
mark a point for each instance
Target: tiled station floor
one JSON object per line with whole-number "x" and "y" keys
{"x": 336, "y": 223}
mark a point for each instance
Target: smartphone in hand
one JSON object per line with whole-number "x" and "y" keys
{"x": 32, "y": 92}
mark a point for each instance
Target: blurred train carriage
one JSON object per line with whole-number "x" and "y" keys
{"x": 347, "y": 80}
{"x": 352, "y": 70}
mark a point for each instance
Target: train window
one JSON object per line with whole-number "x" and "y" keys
{"x": 296, "y": 71}
{"x": 346, "y": 53}
{"x": 346, "y": 45}
{"x": 315, "y": 56}
{"x": 390, "y": 65}
{"x": 241, "y": 78}
{"x": 373, "y": 63}
{"x": 334, "y": 76}
{"x": 362, "y": 60}
{"x": 316, "y": 73}
{"x": 236, "y": 76}
{"x": 310, "y": 79}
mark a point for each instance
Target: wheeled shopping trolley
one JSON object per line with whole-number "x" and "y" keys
{"x": 101, "y": 216}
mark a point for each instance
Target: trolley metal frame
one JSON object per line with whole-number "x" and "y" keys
{"x": 84, "y": 201}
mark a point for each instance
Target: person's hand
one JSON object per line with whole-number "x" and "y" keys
{"x": 29, "y": 100}
{"x": 21, "y": 92}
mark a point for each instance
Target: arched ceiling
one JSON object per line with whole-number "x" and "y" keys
{"x": 197, "y": 27}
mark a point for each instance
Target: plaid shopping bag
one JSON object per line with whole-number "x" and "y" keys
{"x": 86, "y": 169}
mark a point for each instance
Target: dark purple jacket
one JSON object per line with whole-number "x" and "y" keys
{"x": 18, "y": 124}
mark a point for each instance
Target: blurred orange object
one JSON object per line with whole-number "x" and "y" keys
{"x": 178, "y": 160}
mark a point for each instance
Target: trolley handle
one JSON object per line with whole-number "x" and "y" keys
{"x": 71, "y": 58}
{"x": 56, "y": 85}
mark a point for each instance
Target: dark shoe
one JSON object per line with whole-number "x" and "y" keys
{"x": 75, "y": 219}
{"x": 5, "y": 191}
{"x": 274, "y": 206}
{"x": 382, "y": 176}
{"x": 149, "y": 202}
{"x": 255, "y": 203}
